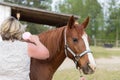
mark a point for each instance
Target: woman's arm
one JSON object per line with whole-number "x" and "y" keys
{"x": 37, "y": 50}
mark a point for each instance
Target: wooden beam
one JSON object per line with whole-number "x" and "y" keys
{"x": 39, "y": 16}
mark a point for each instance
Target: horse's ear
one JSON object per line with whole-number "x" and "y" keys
{"x": 85, "y": 23}
{"x": 71, "y": 22}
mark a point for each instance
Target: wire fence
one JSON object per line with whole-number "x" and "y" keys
{"x": 105, "y": 43}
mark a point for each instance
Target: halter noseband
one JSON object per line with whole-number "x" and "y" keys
{"x": 76, "y": 56}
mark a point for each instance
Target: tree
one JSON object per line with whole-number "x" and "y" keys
{"x": 114, "y": 22}
{"x": 85, "y": 8}
{"x": 43, "y": 4}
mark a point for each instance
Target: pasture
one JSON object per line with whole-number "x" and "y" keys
{"x": 108, "y": 66}
{"x": 101, "y": 52}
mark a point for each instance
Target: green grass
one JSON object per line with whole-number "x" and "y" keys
{"x": 100, "y": 74}
{"x": 101, "y": 52}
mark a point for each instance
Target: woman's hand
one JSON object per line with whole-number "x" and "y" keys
{"x": 27, "y": 36}
{"x": 34, "y": 39}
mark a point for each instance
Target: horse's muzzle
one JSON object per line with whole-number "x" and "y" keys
{"x": 89, "y": 69}
{"x": 93, "y": 67}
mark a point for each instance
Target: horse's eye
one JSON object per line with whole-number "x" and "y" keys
{"x": 75, "y": 40}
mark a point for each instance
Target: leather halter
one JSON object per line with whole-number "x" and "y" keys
{"x": 76, "y": 56}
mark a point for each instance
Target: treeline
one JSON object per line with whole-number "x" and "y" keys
{"x": 104, "y": 23}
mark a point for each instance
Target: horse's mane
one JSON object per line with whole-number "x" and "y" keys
{"x": 52, "y": 39}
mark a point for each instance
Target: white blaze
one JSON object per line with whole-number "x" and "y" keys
{"x": 90, "y": 56}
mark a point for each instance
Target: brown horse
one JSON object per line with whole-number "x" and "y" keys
{"x": 67, "y": 41}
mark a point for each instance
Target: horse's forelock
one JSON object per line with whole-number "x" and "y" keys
{"x": 79, "y": 29}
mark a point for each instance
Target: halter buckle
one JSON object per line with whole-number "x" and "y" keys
{"x": 77, "y": 57}
{"x": 65, "y": 46}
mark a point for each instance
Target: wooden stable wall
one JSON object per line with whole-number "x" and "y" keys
{"x": 5, "y": 12}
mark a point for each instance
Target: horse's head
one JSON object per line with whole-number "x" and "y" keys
{"x": 77, "y": 46}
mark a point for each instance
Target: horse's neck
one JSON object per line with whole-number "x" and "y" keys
{"x": 56, "y": 49}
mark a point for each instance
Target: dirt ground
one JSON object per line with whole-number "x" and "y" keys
{"x": 112, "y": 63}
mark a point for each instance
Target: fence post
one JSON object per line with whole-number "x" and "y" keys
{"x": 94, "y": 41}
{"x": 116, "y": 43}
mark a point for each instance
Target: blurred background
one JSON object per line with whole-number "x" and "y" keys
{"x": 103, "y": 29}
{"x": 104, "y": 17}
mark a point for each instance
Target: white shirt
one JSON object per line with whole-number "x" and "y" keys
{"x": 14, "y": 61}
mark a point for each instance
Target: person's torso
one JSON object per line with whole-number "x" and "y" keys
{"x": 14, "y": 60}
